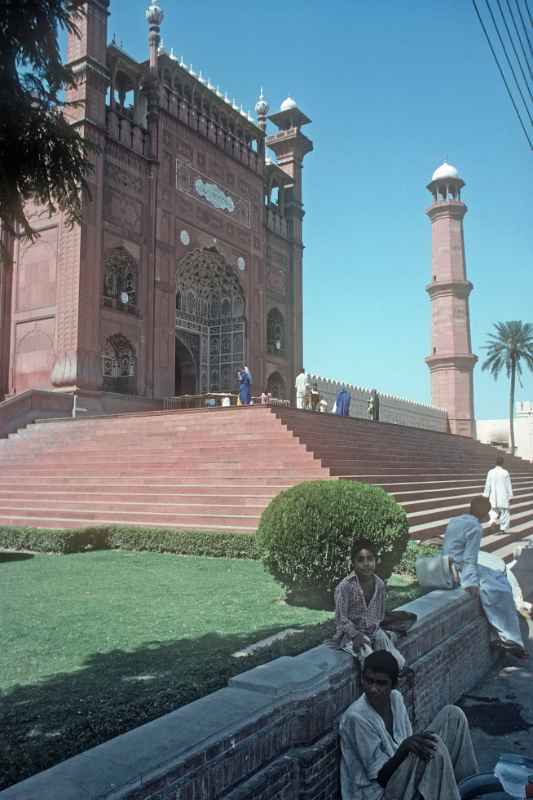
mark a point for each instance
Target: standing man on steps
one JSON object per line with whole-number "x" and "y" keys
{"x": 301, "y": 388}
{"x": 499, "y": 490}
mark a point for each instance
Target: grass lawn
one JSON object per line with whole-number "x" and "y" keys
{"x": 94, "y": 644}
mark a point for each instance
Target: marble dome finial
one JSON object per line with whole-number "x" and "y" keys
{"x": 261, "y": 107}
{"x": 154, "y": 13}
{"x": 288, "y": 104}
{"x": 445, "y": 171}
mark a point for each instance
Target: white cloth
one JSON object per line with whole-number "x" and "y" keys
{"x": 366, "y": 746}
{"x": 462, "y": 538}
{"x": 453, "y": 761}
{"x": 461, "y": 542}
{"x": 380, "y": 641}
{"x": 300, "y": 385}
{"x": 498, "y": 487}
{"x": 501, "y": 517}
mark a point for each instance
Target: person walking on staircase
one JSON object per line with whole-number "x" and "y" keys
{"x": 499, "y": 490}
{"x": 301, "y": 388}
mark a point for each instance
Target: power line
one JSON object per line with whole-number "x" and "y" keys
{"x": 502, "y": 74}
{"x": 513, "y": 73}
{"x": 519, "y": 39}
{"x": 529, "y": 13}
{"x": 514, "y": 49}
{"x": 517, "y": 4}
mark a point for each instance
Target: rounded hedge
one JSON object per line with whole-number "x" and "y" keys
{"x": 306, "y": 533}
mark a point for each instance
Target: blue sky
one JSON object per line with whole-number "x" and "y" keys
{"x": 392, "y": 89}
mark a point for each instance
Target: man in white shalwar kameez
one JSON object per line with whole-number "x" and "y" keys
{"x": 380, "y": 757}
{"x": 301, "y": 388}
{"x": 499, "y": 490}
{"x": 462, "y": 540}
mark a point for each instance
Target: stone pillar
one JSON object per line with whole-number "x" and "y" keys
{"x": 6, "y": 280}
{"x": 451, "y": 362}
{"x": 78, "y": 357}
{"x": 291, "y": 146}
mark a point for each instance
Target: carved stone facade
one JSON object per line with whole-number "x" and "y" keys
{"x": 187, "y": 263}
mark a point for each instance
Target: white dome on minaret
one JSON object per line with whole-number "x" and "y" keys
{"x": 445, "y": 171}
{"x": 288, "y": 104}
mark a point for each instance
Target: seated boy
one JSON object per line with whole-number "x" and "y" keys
{"x": 360, "y": 607}
{"x": 380, "y": 757}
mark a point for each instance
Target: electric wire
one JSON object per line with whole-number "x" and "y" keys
{"x": 529, "y": 13}
{"x": 502, "y": 74}
{"x": 517, "y": 4}
{"x": 514, "y": 49}
{"x": 513, "y": 73}
{"x": 519, "y": 37}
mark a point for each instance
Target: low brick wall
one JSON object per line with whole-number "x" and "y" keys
{"x": 272, "y": 732}
{"x": 397, "y": 410}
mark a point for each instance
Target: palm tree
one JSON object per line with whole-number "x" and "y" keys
{"x": 507, "y": 348}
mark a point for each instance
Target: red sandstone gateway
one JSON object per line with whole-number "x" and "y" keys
{"x": 188, "y": 260}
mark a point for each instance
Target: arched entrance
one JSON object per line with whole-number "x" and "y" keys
{"x": 276, "y": 386}
{"x": 185, "y": 375}
{"x": 210, "y": 319}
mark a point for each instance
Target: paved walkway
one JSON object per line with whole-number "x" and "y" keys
{"x": 500, "y": 709}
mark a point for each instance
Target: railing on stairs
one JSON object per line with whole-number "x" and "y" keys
{"x": 26, "y": 407}
{"x": 219, "y": 399}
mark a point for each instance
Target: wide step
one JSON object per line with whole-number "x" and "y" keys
{"x": 218, "y": 469}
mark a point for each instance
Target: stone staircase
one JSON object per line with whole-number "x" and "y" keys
{"x": 218, "y": 469}
{"x": 432, "y": 475}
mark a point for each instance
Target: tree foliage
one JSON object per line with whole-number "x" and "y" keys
{"x": 42, "y": 156}
{"x": 507, "y": 349}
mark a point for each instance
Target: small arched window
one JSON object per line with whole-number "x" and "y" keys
{"x": 276, "y": 339}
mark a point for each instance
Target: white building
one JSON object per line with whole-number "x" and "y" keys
{"x": 496, "y": 431}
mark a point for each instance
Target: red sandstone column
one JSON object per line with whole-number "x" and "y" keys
{"x": 6, "y": 279}
{"x": 290, "y": 147}
{"x": 78, "y": 357}
{"x": 451, "y": 362}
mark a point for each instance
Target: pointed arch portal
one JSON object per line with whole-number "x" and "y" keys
{"x": 210, "y": 323}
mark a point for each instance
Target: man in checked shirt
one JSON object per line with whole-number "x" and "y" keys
{"x": 360, "y": 607}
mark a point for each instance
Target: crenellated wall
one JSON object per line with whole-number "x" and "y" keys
{"x": 392, "y": 408}
{"x": 271, "y": 734}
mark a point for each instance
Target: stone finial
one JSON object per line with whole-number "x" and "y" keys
{"x": 154, "y": 13}
{"x": 261, "y": 109}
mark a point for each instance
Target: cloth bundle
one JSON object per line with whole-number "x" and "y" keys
{"x": 436, "y": 572}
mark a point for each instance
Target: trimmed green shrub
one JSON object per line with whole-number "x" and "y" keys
{"x": 159, "y": 540}
{"x": 306, "y": 532}
{"x": 184, "y": 542}
{"x": 50, "y": 540}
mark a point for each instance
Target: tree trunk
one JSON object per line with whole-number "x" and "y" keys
{"x": 511, "y": 405}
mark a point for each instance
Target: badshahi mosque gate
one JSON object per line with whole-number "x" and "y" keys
{"x": 187, "y": 263}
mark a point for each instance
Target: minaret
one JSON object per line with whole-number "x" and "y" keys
{"x": 291, "y": 146}
{"x": 451, "y": 362}
{"x": 154, "y": 17}
{"x": 261, "y": 109}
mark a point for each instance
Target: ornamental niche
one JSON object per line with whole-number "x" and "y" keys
{"x": 119, "y": 365}
{"x": 120, "y": 280}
